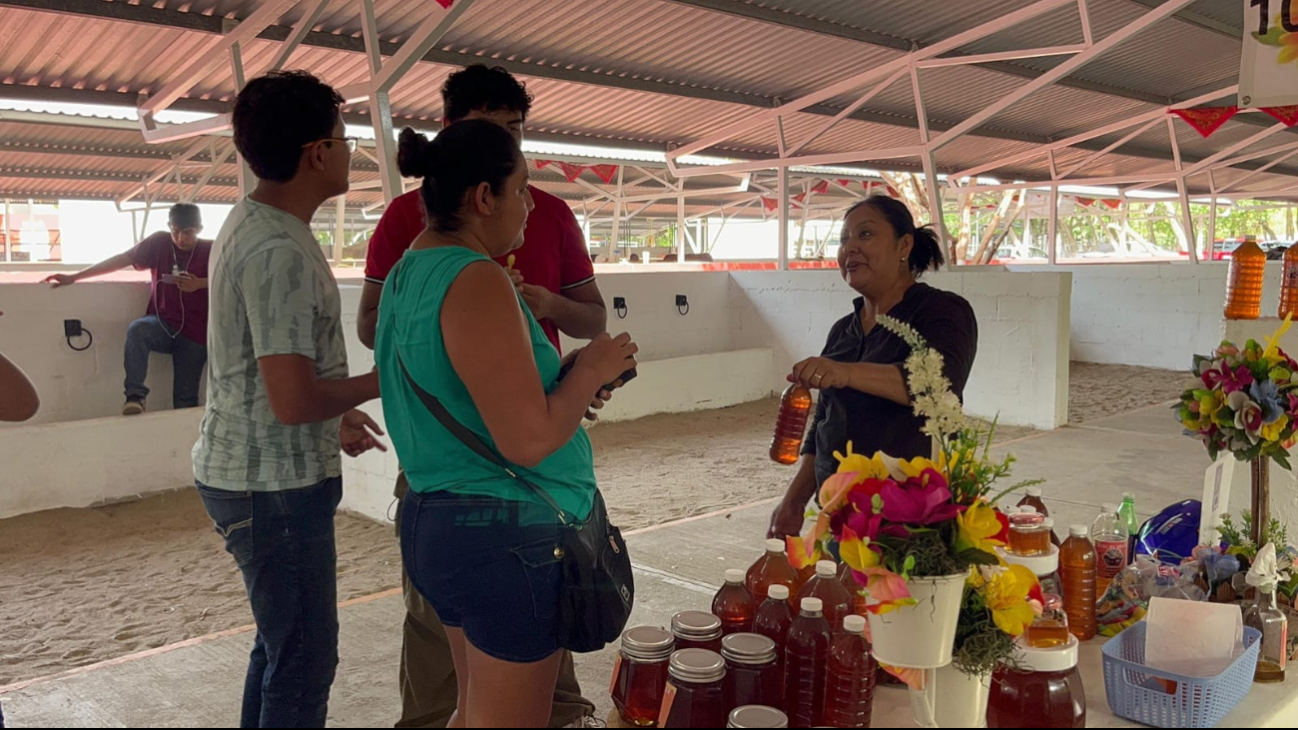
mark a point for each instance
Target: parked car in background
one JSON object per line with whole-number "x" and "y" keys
{"x": 1222, "y": 248}
{"x": 1275, "y": 249}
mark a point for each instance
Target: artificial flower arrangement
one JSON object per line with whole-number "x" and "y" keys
{"x": 1246, "y": 400}
{"x": 895, "y": 519}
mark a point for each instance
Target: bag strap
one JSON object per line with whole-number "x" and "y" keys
{"x": 475, "y": 444}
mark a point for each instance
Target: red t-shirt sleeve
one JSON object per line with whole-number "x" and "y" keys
{"x": 148, "y": 253}
{"x": 397, "y": 229}
{"x": 576, "y": 268}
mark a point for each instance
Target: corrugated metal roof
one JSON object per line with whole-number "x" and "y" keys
{"x": 687, "y": 50}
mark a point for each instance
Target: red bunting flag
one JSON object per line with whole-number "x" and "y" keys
{"x": 1087, "y": 202}
{"x": 604, "y": 172}
{"x": 844, "y": 183}
{"x": 446, "y": 3}
{"x": 1113, "y": 203}
{"x": 1207, "y": 120}
{"x": 821, "y": 187}
{"x": 799, "y": 197}
{"x": 542, "y": 164}
{"x": 571, "y": 171}
{"x": 770, "y": 204}
{"x": 1286, "y": 115}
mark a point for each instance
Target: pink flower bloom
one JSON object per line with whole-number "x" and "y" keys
{"x": 923, "y": 500}
{"x": 1233, "y": 380}
{"x": 886, "y": 590}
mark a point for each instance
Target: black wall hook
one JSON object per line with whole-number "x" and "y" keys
{"x": 619, "y": 307}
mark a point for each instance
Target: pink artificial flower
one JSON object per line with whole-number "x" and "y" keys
{"x": 886, "y": 590}
{"x": 1233, "y": 380}
{"x": 922, "y": 500}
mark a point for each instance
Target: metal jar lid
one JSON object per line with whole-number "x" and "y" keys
{"x": 648, "y": 643}
{"x": 696, "y": 625}
{"x": 698, "y": 666}
{"x": 748, "y": 649}
{"x": 753, "y": 716}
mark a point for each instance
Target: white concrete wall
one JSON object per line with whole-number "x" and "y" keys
{"x": 1021, "y": 372}
{"x": 77, "y": 385}
{"x": 87, "y": 462}
{"x": 738, "y": 340}
{"x": 1156, "y": 315}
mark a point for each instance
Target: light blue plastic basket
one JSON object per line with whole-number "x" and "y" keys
{"x": 1135, "y": 693}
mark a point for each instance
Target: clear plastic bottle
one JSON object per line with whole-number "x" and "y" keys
{"x": 1109, "y": 535}
{"x": 854, "y": 589}
{"x": 826, "y": 586}
{"x": 791, "y": 425}
{"x": 1077, "y": 570}
{"x": 1127, "y": 512}
{"x": 1289, "y": 285}
{"x": 774, "y": 617}
{"x": 771, "y": 569}
{"x": 734, "y": 605}
{"x": 806, "y": 657}
{"x": 849, "y": 685}
{"x": 1244, "y": 284}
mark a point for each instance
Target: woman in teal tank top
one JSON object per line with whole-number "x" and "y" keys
{"x": 477, "y": 544}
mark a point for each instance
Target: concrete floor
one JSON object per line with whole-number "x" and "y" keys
{"x": 198, "y": 684}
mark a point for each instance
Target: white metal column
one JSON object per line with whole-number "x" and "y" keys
{"x": 1052, "y": 245}
{"x": 380, "y": 108}
{"x": 340, "y": 230}
{"x": 783, "y": 187}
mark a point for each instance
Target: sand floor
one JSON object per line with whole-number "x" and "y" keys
{"x": 81, "y": 586}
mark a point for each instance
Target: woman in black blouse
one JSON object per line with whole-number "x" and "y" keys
{"x": 860, "y": 375}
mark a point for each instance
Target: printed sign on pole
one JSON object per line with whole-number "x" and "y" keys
{"x": 1268, "y": 74}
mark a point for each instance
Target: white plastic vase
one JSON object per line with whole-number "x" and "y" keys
{"x": 920, "y": 636}
{"x": 958, "y": 699}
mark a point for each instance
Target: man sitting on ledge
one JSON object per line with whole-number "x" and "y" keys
{"x": 176, "y": 321}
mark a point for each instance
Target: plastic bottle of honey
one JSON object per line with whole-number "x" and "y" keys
{"x": 1289, "y": 285}
{"x": 791, "y": 424}
{"x": 1244, "y": 285}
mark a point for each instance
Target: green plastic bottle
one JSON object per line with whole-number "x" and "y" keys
{"x": 1127, "y": 513}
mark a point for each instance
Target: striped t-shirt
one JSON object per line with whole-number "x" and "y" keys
{"x": 271, "y": 293}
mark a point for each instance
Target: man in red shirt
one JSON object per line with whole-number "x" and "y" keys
{"x": 556, "y": 279}
{"x": 176, "y": 320}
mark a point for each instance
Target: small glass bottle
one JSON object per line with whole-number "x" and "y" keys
{"x": 694, "y": 696}
{"x": 1265, "y": 616}
{"x": 734, "y": 605}
{"x": 1028, "y": 533}
{"x": 697, "y": 630}
{"x": 791, "y": 425}
{"x": 757, "y": 716}
{"x": 752, "y": 675}
{"x": 640, "y": 674}
{"x": 1050, "y": 629}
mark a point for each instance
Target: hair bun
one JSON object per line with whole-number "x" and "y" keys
{"x": 416, "y": 154}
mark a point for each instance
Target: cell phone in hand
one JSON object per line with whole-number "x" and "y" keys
{"x": 168, "y": 279}
{"x": 620, "y": 381}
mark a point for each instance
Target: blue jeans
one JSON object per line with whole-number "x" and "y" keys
{"x": 150, "y": 334}
{"x": 283, "y": 543}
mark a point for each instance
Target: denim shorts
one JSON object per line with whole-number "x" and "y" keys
{"x": 488, "y": 566}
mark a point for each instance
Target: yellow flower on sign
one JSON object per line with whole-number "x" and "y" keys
{"x": 1289, "y": 48}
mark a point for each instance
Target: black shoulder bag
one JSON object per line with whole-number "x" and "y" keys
{"x": 598, "y": 588}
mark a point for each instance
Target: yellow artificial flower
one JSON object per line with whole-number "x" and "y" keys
{"x": 1272, "y": 352}
{"x": 1006, "y": 593}
{"x": 1272, "y": 431}
{"x": 865, "y": 467}
{"x": 856, "y": 552}
{"x": 1209, "y": 403}
{"x": 916, "y": 467}
{"x": 979, "y": 528}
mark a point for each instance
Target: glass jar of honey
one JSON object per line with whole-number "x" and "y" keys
{"x": 1044, "y": 691}
{"x": 1050, "y": 629}
{"x": 1028, "y": 533}
{"x": 757, "y": 716}
{"x": 694, "y": 697}
{"x": 640, "y": 674}
{"x": 752, "y": 673}
{"x": 697, "y": 630}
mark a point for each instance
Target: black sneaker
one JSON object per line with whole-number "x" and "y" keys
{"x": 133, "y": 407}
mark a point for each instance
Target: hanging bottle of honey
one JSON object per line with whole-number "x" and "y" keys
{"x": 1244, "y": 285}
{"x": 1289, "y": 285}
{"x": 790, "y": 425}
